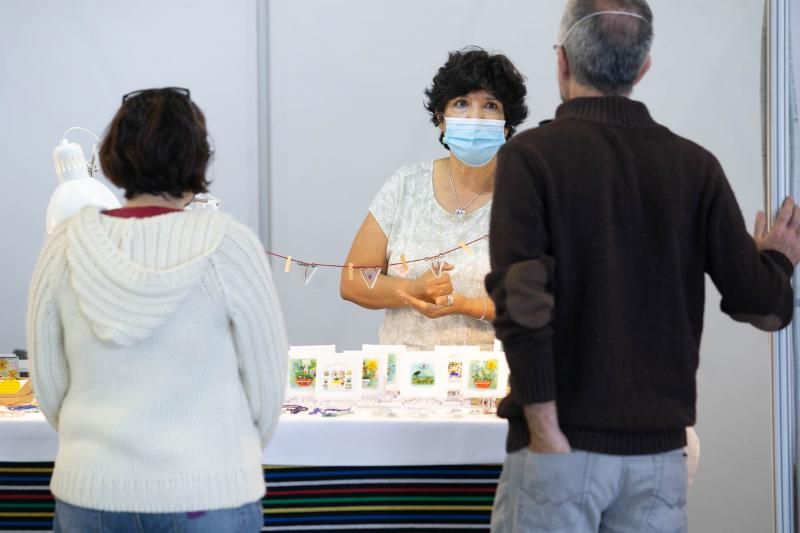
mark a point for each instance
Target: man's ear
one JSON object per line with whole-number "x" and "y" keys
{"x": 648, "y": 62}
{"x": 563, "y": 64}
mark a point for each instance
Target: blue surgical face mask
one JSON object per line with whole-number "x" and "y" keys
{"x": 474, "y": 141}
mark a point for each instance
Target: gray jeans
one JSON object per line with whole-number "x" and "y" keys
{"x": 582, "y": 492}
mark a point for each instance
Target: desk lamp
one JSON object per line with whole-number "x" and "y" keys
{"x": 77, "y": 188}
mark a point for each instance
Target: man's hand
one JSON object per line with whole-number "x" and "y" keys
{"x": 545, "y": 433}
{"x": 784, "y": 236}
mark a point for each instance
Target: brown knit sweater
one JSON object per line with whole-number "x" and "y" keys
{"x": 603, "y": 226}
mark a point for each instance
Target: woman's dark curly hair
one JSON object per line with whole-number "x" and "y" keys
{"x": 472, "y": 69}
{"x": 157, "y": 144}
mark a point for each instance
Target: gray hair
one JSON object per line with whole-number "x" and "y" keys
{"x": 607, "y": 51}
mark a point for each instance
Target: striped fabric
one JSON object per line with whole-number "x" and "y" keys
{"x": 25, "y": 501}
{"x": 392, "y": 498}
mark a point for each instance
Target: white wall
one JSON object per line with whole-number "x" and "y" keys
{"x": 345, "y": 81}
{"x": 69, "y": 63}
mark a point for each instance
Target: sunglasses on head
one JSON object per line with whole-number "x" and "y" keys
{"x": 178, "y": 90}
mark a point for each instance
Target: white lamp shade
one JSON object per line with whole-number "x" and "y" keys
{"x": 69, "y": 161}
{"x": 72, "y": 195}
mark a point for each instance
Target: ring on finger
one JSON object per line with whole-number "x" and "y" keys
{"x": 449, "y": 299}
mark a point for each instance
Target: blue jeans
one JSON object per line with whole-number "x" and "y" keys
{"x": 71, "y": 519}
{"x": 582, "y": 492}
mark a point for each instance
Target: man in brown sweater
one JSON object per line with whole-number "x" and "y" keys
{"x": 604, "y": 224}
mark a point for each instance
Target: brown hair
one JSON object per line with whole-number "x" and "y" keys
{"x": 157, "y": 143}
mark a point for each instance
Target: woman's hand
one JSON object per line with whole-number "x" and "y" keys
{"x": 428, "y": 287}
{"x": 439, "y": 307}
{"x": 455, "y": 303}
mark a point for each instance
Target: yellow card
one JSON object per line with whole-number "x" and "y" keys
{"x": 10, "y": 386}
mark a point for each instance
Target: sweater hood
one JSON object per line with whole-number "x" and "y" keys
{"x": 130, "y": 274}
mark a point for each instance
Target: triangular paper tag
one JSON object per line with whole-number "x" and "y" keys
{"x": 308, "y": 274}
{"x": 370, "y": 276}
{"x": 437, "y": 267}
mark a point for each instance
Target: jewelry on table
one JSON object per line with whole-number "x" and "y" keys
{"x": 293, "y": 408}
{"x": 330, "y": 411}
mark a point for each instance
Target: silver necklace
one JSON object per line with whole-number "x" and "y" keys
{"x": 461, "y": 211}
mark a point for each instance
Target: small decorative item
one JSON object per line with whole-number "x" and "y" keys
{"x": 455, "y": 364}
{"x": 204, "y": 200}
{"x": 391, "y": 371}
{"x": 370, "y": 276}
{"x": 391, "y": 351}
{"x": 293, "y": 409}
{"x": 486, "y": 375}
{"x": 9, "y": 366}
{"x": 339, "y": 376}
{"x": 303, "y": 369}
{"x": 302, "y": 373}
{"x": 483, "y": 374}
{"x": 15, "y": 392}
{"x": 455, "y": 371}
{"x": 422, "y": 375}
{"x": 373, "y": 374}
{"x": 369, "y": 373}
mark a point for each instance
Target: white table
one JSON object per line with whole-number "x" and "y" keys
{"x": 358, "y": 439}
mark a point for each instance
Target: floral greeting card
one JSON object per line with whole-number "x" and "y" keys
{"x": 302, "y": 374}
{"x": 485, "y": 375}
{"x": 391, "y": 351}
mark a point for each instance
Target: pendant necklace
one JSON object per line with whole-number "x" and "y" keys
{"x": 461, "y": 211}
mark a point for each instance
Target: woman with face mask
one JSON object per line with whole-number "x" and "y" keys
{"x": 477, "y": 100}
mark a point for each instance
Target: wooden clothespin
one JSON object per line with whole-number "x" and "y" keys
{"x": 288, "y": 265}
{"x": 467, "y": 249}
{"x": 350, "y": 271}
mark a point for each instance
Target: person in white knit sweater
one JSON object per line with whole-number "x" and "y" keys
{"x": 157, "y": 342}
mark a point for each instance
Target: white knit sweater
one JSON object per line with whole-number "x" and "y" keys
{"x": 159, "y": 354}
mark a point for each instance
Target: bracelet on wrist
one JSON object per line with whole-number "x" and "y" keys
{"x": 483, "y": 316}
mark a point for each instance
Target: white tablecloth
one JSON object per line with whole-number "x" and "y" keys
{"x": 358, "y": 439}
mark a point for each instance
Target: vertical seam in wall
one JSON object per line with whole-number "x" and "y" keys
{"x": 262, "y": 86}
